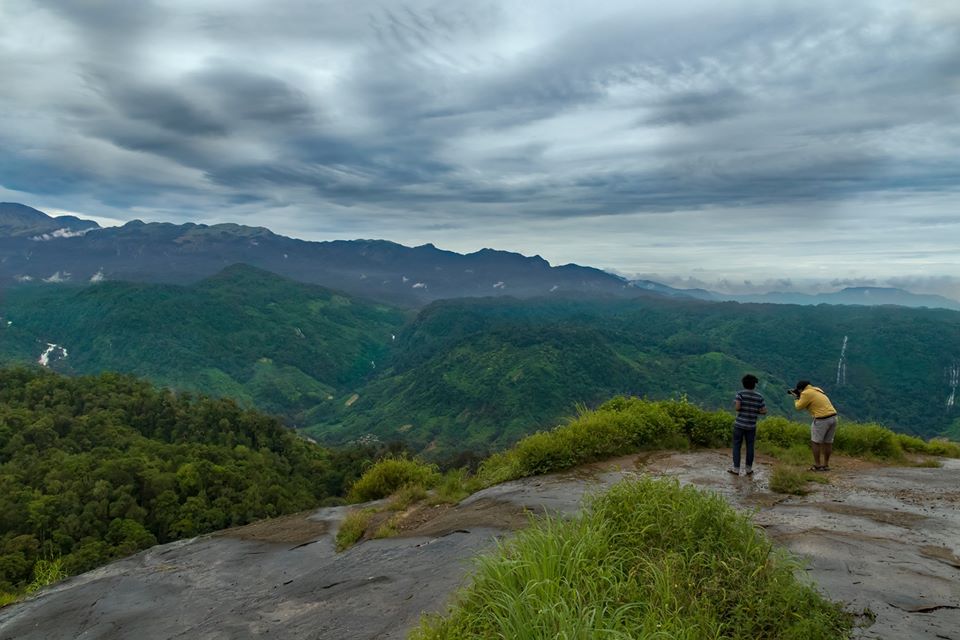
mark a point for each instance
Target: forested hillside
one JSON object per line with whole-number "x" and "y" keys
{"x": 476, "y": 374}
{"x": 480, "y": 373}
{"x": 92, "y": 468}
{"x": 282, "y": 346}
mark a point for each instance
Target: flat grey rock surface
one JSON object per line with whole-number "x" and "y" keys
{"x": 879, "y": 538}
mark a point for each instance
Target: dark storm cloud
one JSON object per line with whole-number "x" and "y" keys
{"x": 166, "y": 107}
{"x": 249, "y": 95}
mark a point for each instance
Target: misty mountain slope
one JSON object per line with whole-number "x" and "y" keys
{"x": 867, "y": 296}
{"x": 245, "y": 333}
{"x": 377, "y": 269}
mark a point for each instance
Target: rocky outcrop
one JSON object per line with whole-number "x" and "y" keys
{"x": 882, "y": 539}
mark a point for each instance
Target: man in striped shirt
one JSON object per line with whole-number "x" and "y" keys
{"x": 748, "y": 405}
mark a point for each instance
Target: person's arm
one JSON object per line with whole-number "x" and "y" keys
{"x": 803, "y": 400}
{"x": 736, "y": 403}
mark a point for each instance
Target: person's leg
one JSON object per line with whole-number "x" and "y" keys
{"x": 827, "y": 446}
{"x": 816, "y": 438}
{"x": 737, "y": 443}
{"x": 750, "y": 436}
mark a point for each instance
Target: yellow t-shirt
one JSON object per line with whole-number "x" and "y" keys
{"x": 814, "y": 400}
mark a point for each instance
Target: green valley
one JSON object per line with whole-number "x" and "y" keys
{"x": 476, "y": 374}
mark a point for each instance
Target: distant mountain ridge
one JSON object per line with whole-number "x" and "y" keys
{"x": 376, "y": 269}
{"x": 35, "y": 247}
{"x": 865, "y": 296}
{"x": 18, "y": 220}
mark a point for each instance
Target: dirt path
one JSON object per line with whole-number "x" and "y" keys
{"x": 878, "y": 538}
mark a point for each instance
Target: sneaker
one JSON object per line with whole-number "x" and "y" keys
{"x": 749, "y": 471}
{"x": 734, "y": 470}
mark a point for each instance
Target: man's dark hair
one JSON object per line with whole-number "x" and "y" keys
{"x": 803, "y": 384}
{"x": 749, "y": 381}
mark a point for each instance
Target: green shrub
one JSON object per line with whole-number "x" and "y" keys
{"x": 782, "y": 432}
{"x": 942, "y": 447}
{"x": 868, "y": 440}
{"x": 911, "y": 444}
{"x": 649, "y": 559}
{"x": 389, "y": 474}
{"x": 702, "y": 428}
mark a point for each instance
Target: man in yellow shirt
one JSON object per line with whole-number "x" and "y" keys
{"x": 824, "y": 424}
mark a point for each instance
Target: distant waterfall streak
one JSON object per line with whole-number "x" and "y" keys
{"x": 842, "y": 365}
{"x": 953, "y": 376}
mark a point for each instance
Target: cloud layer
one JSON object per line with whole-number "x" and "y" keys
{"x": 740, "y": 139}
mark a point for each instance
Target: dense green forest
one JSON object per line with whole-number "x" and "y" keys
{"x": 93, "y": 468}
{"x": 482, "y": 373}
{"x": 267, "y": 341}
{"x": 477, "y": 374}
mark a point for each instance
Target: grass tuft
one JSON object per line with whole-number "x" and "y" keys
{"x": 648, "y": 559}
{"x": 454, "y": 486}
{"x": 406, "y": 496}
{"x": 792, "y": 480}
{"x": 352, "y": 528}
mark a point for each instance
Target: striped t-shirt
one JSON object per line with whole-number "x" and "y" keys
{"x": 751, "y": 403}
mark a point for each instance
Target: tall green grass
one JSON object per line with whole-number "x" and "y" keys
{"x": 648, "y": 559}
{"x": 352, "y": 528}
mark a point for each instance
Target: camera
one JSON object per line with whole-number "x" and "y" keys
{"x": 793, "y": 392}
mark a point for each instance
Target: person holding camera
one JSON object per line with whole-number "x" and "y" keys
{"x": 824, "y": 426}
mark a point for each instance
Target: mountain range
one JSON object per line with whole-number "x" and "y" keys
{"x": 37, "y": 247}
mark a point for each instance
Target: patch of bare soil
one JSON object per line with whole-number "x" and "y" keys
{"x": 883, "y": 516}
{"x": 292, "y": 529}
{"x": 942, "y": 554}
{"x": 434, "y": 521}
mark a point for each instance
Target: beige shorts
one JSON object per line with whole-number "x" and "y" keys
{"x": 822, "y": 430}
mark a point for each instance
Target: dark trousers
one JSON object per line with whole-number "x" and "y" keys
{"x": 740, "y": 436}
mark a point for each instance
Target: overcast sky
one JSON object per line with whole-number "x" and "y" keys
{"x": 719, "y": 141}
